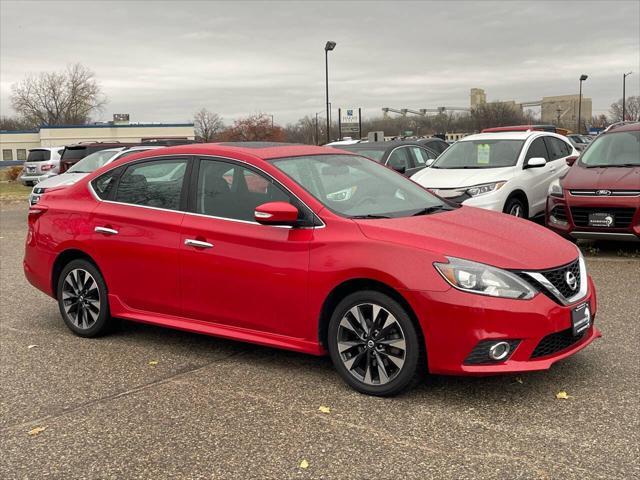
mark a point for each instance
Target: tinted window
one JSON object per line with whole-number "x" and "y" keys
{"x": 400, "y": 159}
{"x": 480, "y": 154}
{"x": 557, "y": 148}
{"x": 153, "y": 184}
{"x": 438, "y": 145}
{"x": 537, "y": 150}
{"x": 228, "y": 190}
{"x": 74, "y": 153}
{"x": 103, "y": 185}
{"x": 38, "y": 155}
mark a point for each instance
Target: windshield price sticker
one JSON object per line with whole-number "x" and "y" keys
{"x": 484, "y": 151}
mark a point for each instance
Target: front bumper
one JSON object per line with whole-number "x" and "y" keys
{"x": 454, "y": 322}
{"x": 568, "y": 228}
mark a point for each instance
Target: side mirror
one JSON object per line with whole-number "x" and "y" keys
{"x": 430, "y": 162}
{"x": 536, "y": 162}
{"x": 571, "y": 160}
{"x": 276, "y": 213}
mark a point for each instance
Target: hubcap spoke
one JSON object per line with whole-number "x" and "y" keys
{"x": 81, "y": 298}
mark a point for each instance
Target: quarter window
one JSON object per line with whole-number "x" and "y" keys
{"x": 231, "y": 191}
{"x": 153, "y": 184}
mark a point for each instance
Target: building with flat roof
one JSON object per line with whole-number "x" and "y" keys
{"x": 16, "y": 144}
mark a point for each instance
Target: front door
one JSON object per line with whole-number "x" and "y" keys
{"x": 136, "y": 234}
{"x": 235, "y": 271}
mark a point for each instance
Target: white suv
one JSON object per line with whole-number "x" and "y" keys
{"x": 508, "y": 172}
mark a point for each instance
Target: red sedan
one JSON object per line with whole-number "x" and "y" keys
{"x": 314, "y": 250}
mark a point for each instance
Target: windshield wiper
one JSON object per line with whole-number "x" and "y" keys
{"x": 428, "y": 210}
{"x": 609, "y": 165}
{"x": 370, "y": 215}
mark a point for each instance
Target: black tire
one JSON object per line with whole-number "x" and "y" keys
{"x": 75, "y": 288}
{"x": 516, "y": 207}
{"x": 397, "y": 378}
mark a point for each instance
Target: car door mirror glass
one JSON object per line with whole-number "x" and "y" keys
{"x": 536, "y": 162}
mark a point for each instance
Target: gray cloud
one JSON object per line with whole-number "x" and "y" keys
{"x": 161, "y": 61}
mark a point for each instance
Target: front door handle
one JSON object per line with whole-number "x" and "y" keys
{"x": 106, "y": 230}
{"x": 190, "y": 242}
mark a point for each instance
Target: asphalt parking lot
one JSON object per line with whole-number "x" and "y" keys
{"x": 148, "y": 402}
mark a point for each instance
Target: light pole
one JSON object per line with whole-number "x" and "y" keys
{"x": 583, "y": 77}
{"x": 317, "y": 135}
{"x": 327, "y": 48}
{"x": 624, "y": 81}
{"x": 271, "y": 121}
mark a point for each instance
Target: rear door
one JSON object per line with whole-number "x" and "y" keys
{"x": 137, "y": 232}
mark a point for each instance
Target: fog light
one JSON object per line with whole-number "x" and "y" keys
{"x": 557, "y": 221}
{"x": 499, "y": 351}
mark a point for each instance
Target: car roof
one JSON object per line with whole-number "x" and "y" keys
{"x": 627, "y": 127}
{"x": 380, "y": 145}
{"x": 504, "y": 135}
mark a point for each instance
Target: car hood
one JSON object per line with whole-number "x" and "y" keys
{"x": 605, "y": 178}
{"x": 460, "y": 177}
{"x": 479, "y": 235}
{"x": 62, "y": 180}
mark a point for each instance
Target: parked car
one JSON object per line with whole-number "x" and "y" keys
{"x": 434, "y": 143}
{"x": 507, "y": 172}
{"x": 404, "y": 157}
{"x": 599, "y": 198}
{"x": 85, "y": 166}
{"x": 386, "y": 277}
{"x": 39, "y": 162}
{"x": 74, "y": 153}
{"x": 580, "y": 142}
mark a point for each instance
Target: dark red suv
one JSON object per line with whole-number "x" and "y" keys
{"x": 599, "y": 198}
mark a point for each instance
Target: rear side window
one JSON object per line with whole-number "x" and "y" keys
{"x": 537, "y": 149}
{"x": 153, "y": 184}
{"x": 74, "y": 153}
{"x": 38, "y": 156}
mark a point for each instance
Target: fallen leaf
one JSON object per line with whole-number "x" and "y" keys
{"x": 562, "y": 395}
{"x": 324, "y": 409}
{"x": 153, "y": 363}
{"x": 304, "y": 464}
{"x": 35, "y": 431}
{"x": 32, "y": 346}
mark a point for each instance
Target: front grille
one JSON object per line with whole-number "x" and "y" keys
{"x": 480, "y": 353}
{"x": 560, "y": 213}
{"x": 557, "y": 277}
{"x": 605, "y": 193}
{"x": 623, "y": 216}
{"x": 556, "y": 342}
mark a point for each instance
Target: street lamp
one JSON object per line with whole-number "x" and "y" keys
{"x": 583, "y": 77}
{"x": 327, "y": 48}
{"x": 624, "y": 81}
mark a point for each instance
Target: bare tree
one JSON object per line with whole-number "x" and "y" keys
{"x": 207, "y": 125}
{"x": 632, "y": 110}
{"x": 58, "y": 98}
{"x": 14, "y": 123}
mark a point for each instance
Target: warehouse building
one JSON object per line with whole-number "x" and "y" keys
{"x": 16, "y": 144}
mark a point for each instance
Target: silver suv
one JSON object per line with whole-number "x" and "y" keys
{"x": 40, "y": 162}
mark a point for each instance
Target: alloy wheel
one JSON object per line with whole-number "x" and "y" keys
{"x": 81, "y": 298}
{"x": 516, "y": 210}
{"x": 371, "y": 344}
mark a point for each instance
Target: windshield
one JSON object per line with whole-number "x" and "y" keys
{"x": 613, "y": 149}
{"x": 372, "y": 153}
{"x": 357, "y": 187}
{"x": 92, "y": 162}
{"x": 480, "y": 154}
{"x": 38, "y": 155}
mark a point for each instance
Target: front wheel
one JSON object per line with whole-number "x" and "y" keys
{"x": 515, "y": 207}
{"x": 82, "y": 298}
{"x": 374, "y": 344}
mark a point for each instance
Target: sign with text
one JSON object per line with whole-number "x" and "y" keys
{"x": 349, "y": 121}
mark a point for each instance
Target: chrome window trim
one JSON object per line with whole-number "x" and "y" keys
{"x": 582, "y": 292}
{"x": 213, "y": 157}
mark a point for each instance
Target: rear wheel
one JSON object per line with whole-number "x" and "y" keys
{"x": 82, "y": 298}
{"x": 374, "y": 344}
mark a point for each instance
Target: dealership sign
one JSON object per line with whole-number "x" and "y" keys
{"x": 349, "y": 121}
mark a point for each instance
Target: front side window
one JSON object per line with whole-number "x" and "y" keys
{"x": 400, "y": 159}
{"x": 480, "y": 154}
{"x": 557, "y": 148}
{"x": 422, "y": 155}
{"x": 613, "y": 150}
{"x": 153, "y": 184}
{"x": 357, "y": 187}
{"x": 537, "y": 149}
{"x": 228, "y": 190}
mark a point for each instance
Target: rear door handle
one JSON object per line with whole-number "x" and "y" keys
{"x": 106, "y": 230}
{"x": 190, "y": 242}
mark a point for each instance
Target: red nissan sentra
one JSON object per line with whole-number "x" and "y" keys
{"x": 313, "y": 250}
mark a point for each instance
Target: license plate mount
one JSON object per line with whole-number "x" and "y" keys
{"x": 580, "y": 319}
{"x": 602, "y": 219}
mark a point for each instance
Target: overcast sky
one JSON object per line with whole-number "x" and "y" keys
{"x": 162, "y": 61}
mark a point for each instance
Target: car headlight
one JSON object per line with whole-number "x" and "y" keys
{"x": 485, "y": 188}
{"x": 342, "y": 195}
{"x": 484, "y": 279}
{"x": 555, "y": 189}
